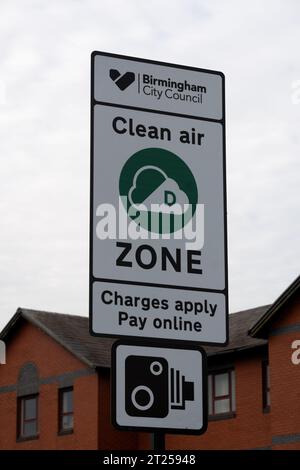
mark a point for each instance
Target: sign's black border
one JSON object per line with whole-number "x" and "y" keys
{"x": 92, "y": 279}
{"x": 146, "y": 344}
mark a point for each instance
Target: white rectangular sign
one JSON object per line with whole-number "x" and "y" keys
{"x": 158, "y": 201}
{"x": 157, "y": 86}
{"x": 159, "y": 388}
{"x": 153, "y": 312}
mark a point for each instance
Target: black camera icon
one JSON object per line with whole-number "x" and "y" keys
{"x": 152, "y": 388}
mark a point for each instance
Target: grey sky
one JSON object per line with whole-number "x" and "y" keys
{"x": 44, "y": 135}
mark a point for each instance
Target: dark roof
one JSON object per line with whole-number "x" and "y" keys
{"x": 260, "y": 327}
{"x": 239, "y": 324}
{"x": 72, "y": 332}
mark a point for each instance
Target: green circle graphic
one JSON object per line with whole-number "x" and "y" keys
{"x": 158, "y": 176}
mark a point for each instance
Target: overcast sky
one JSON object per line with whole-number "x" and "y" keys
{"x": 44, "y": 135}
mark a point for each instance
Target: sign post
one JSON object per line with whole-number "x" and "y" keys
{"x": 158, "y": 263}
{"x": 159, "y": 388}
{"x": 158, "y": 236}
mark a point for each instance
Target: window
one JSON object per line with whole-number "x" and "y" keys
{"x": 28, "y": 417}
{"x": 221, "y": 393}
{"x": 266, "y": 386}
{"x": 66, "y": 412}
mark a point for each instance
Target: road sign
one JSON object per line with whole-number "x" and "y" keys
{"x": 158, "y": 249}
{"x": 159, "y": 388}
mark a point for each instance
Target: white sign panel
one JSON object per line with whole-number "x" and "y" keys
{"x": 159, "y": 313}
{"x": 158, "y": 201}
{"x": 158, "y": 86}
{"x": 159, "y": 388}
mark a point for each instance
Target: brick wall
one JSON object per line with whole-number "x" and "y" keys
{"x": 92, "y": 423}
{"x": 32, "y": 345}
{"x": 285, "y": 378}
{"x": 249, "y": 429}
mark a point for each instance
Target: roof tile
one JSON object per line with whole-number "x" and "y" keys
{"x": 72, "y": 331}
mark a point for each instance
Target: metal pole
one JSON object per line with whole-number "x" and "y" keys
{"x": 158, "y": 441}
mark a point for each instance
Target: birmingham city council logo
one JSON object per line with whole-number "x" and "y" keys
{"x": 122, "y": 81}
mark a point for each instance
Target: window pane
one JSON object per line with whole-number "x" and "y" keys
{"x": 29, "y": 428}
{"x": 233, "y": 390}
{"x": 67, "y": 422}
{"x": 221, "y": 384}
{"x": 210, "y": 395}
{"x": 266, "y": 384}
{"x": 67, "y": 401}
{"x": 30, "y": 408}
{"x": 222, "y": 406}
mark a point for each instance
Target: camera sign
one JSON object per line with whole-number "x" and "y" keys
{"x": 158, "y": 249}
{"x": 159, "y": 388}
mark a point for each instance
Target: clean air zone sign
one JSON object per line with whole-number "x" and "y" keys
{"x": 158, "y": 265}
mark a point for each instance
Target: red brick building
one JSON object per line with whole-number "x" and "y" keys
{"x": 54, "y": 388}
